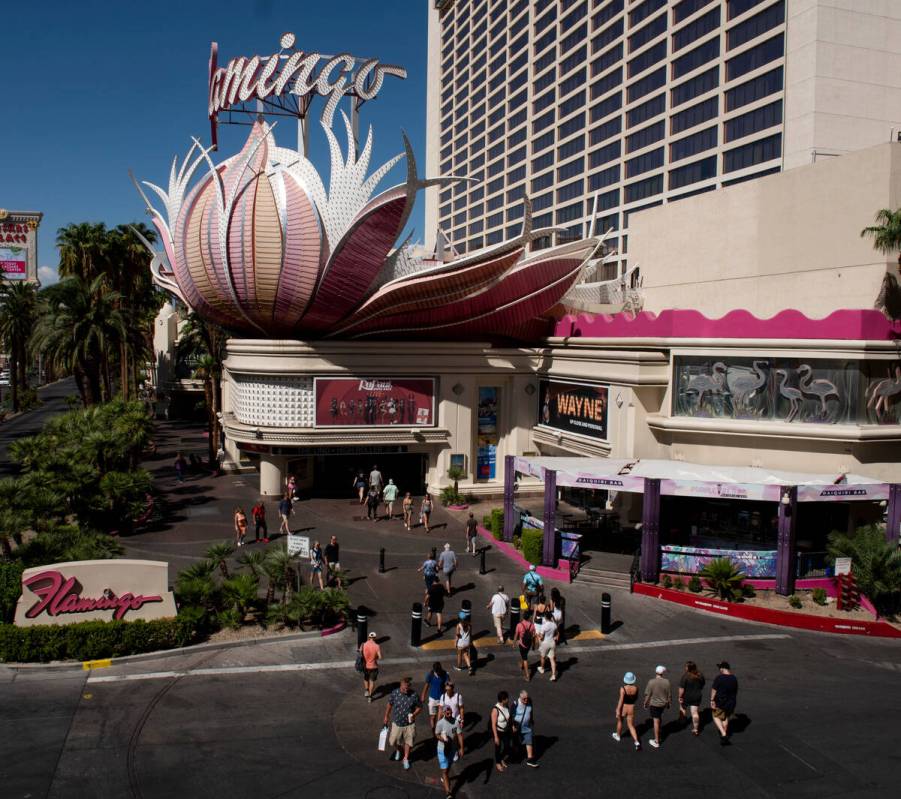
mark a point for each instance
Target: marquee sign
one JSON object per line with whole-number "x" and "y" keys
{"x": 299, "y": 73}
{"x": 374, "y": 401}
{"x": 95, "y": 590}
{"x": 574, "y": 408}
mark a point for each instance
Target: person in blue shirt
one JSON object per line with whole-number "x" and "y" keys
{"x": 433, "y": 687}
{"x": 532, "y": 584}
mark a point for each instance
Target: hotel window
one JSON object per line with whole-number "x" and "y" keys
{"x": 459, "y": 219}
{"x": 644, "y": 163}
{"x": 574, "y": 38}
{"x": 513, "y": 231}
{"x": 542, "y": 182}
{"x": 494, "y": 220}
{"x": 543, "y": 161}
{"x": 571, "y": 148}
{"x": 645, "y": 136}
{"x": 475, "y": 227}
{"x": 446, "y": 167}
{"x": 610, "y": 81}
{"x": 521, "y": 42}
{"x": 756, "y": 57}
{"x": 516, "y": 175}
{"x": 644, "y": 10}
{"x": 692, "y": 145}
{"x": 647, "y": 84}
{"x": 753, "y": 176}
{"x": 497, "y": 80}
{"x": 606, "y": 153}
{"x": 495, "y": 237}
{"x": 495, "y": 202}
{"x": 517, "y": 119}
{"x": 477, "y": 113}
{"x": 574, "y": 103}
{"x": 519, "y": 62}
{"x": 518, "y": 8}
{"x": 474, "y": 244}
{"x": 568, "y": 213}
{"x": 496, "y": 168}
{"x": 518, "y": 82}
{"x": 545, "y": 40}
{"x": 477, "y": 145}
{"x": 445, "y": 195}
{"x": 695, "y": 30}
{"x": 604, "y": 178}
{"x": 515, "y": 157}
{"x": 495, "y": 133}
{"x": 548, "y": 79}
{"x": 445, "y": 210}
{"x": 688, "y": 7}
{"x": 607, "y": 13}
{"x": 571, "y": 126}
{"x": 608, "y": 200}
{"x": 540, "y": 5}
{"x": 572, "y": 61}
{"x": 694, "y": 115}
{"x": 497, "y": 150}
{"x": 754, "y": 153}
{"x": 543, "y": 201}
{"x": 546, "y": 20}
{"x": 543, "y": 121}
{"x": 737, "y": 7}
{"x": 753, "y": 121}
{"x": 761, "y": 86}
{"x": 516, "y": 138}
{"x": 546, "y": 60}
{"x": 644, "y": 188}
{"x": 650, "y": 31}
{"x": 607, "y": 36}
{"x": 516, "y": 102}
{"x": 648, "y": 58}
{"x": 687, "y": 194}
{"x": 477, "y": 162}
{"x": 446, "y": 153}
{"x": 477, "y": 194}
{"x": 607, "y": 60}
{"x": 515, "y": 212}
{"x": 517, "y": 26}
{"x": 573, "y": 82}
{"x": 570, "y": 170}
{"x": 695, "y": 58}
{"x": 498, "y": 44}
{"x": 544, "y": 101}
{"x": 573, "y": 17}
{"x": 515, "y": 194}
{"x": 698, "y": 85}
{"x": 543, "y": 141}
{"x": 609, "y": 222}
{"x": 645, "y": 111}
{"x": 605, "y": 131}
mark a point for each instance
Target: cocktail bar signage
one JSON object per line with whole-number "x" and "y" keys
{"x": 108, "y": 590}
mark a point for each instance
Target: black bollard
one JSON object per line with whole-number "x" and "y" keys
{"x": 482, "y": 551}
{"x": 416, "y": 624}
{"x": 362, "y": 625}
{"x": 466, "y": 609}
{"x": 382, "y": 560}
{"x": 514, "y": 616}
{"x": 605, "y": 613}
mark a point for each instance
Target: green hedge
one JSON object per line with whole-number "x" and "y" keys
{"x": 497, "y": 524}
{"x": 10, "y": 589}
{"x": 532, "y": 544}
{"x": 92, "y": 640}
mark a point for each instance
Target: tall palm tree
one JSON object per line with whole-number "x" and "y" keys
{"x": 82, "y": 250}
{"x": 886, "y": 236}
{"x": 18, "y": 307}
{"x": 208, "y": 370}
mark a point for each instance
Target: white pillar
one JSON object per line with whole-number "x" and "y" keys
{"x": 272, "y": 475}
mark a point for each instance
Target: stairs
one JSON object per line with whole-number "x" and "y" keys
{"x": 603, "y": 578}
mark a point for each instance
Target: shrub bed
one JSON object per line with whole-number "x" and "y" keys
{"x": 532, "y": 544}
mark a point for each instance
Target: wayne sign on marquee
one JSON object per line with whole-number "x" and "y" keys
{"x": 374, "y": 401}
{"x": 95, "y": 590}
{"x": 574, "y": 408}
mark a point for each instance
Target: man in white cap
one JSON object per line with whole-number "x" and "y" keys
{"x": 657, "y": 698}
{"x": 372, "y": 654}
{"x": 531, "y": 584}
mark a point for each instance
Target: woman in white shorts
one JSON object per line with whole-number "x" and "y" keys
{"x": 547, "y": 632}
{"x": 453, "y": 700}
{"x": 464, "y": 644}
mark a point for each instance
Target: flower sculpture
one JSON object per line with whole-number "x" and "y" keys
{"x": 258, "y": 245}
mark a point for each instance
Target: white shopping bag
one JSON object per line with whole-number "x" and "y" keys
{"x": 383, "y": 739}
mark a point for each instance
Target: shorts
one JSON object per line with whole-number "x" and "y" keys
{"x": 448, "y": 575}
{"x": 656, "y": 711}
{"x": 722, "y": 715}
{"x": 446, "y": 758}
{"x": 524, "y": 652}
{"x": 317, "y": 569}
{"x": 525, "y": 736}
{"x": 547, "y": 648}
{"x": 335, "y": 567}
{"x": 429, "y": 580}
{"x": 433, "y": 706}
{"x": 405, "y": 735}
{"x": 370, "y": 674}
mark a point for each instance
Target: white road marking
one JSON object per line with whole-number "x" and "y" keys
{"x": 348, "y": 664}
{"x": 797, "y": 757}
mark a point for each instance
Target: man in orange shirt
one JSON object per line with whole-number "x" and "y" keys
{"x": 372, "y": 654}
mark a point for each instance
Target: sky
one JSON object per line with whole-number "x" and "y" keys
{"x": 95, "y": 88}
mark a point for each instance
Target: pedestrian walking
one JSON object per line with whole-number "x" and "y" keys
{"x": 453, "y": 699}
{"x": 558, "y": 607}
{"x": 425, "y": 512}
{"x": 372, "y": 503}
{"x": 258, "y": 513}
{"x": 723, "y": 697}
{"x": 429, "y": 571}
{"x": 372, "y": 654}
{"x": 284, "y": 512}
{"x": 240, "y": 526}
{"x": 524, "y": 726}
{"x": 433, "y": 690}
{"x": 500, "y": 730}
{"x": 464, "y": 645}
{"x": 181, "y": 466}
{"x": 447, "y": 560}
{"x": 499, "y": 604}
{"x": 449, "y": 733}
{"x": 389, "y": 495}
{"x": 408, "y": 511}
{"x": 435, "y": 604}
{"x": 524, "y": 636}
{"x": 220, "y": 461}
{"x": 657, "y": 698}
{"x": 691, "y": 686}
{"x": 472, "y": 534}
{"x": 333, "y": 561}
{"x": 360, "y": 486}
{"x": 547, "y": 648}
{"x": 375, "y": 479}
{"x": 531, "y": 584}
{"x": 403, "y": 708}
{"x": 292, "y": 487}
{"x": 316, "y": 564}
{"x": 625, "y": 709}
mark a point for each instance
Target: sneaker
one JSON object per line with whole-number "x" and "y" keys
{"x": 457, "y": 668}
{"x": 637, "y": 746}
{"x": 406, "y": 765}
{"x": 541, "y": 669}
{"x": 456, "y": 756}
{"x": 615, "y": 736}
{"x": 370, "y": 700}
{"x": 654, "y": 743}
{"x": 366, "y": 694}
{"x": 532, "y": 763}
{"x": 265, "y": 540}
{"x": 395, "y": 755}
{"x": 553, "y": 678}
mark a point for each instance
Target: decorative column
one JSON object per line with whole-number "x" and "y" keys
{"x": 549, "y": 552}
{"x": 650, "y": 531}
{"x": 272, "y": 477}
{"x": 787, "y": 556}
{"x": 893, "y": 514}
{"x": 509, "y": 483}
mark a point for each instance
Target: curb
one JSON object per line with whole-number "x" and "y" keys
{"x": 509, "y": 552}
{"x": 166, "y": 653}
{"x": 779, "y": 618}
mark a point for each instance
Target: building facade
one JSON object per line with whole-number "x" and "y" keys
{"x": 19, "y": 245}
{"x": 621, "y": 105}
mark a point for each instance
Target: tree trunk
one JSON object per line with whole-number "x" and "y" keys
{"x": 91, "y": 370}
{"x": 210, "y": 418}
{"x": 80, "y": 382}
{"x": 23, "y": 367}
{"x": 14, "y": 379}
{"x": 107, "y": 386}
{"x": 123, "y": 369}
{"x": 215, "y": 416}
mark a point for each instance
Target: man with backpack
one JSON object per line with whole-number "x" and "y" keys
{"x": 524, "y": 637}
{"x": 532, "y": 584}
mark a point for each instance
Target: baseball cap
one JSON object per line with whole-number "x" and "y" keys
{"x": 723, "y": 665}
{"x": 531, "y": 567}
{"x": 372, "y": 635}
{"x": 660, "y": 669}
{"x": 629, "y": 678}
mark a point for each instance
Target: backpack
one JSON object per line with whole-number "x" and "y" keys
{"x": 527, "y": 637}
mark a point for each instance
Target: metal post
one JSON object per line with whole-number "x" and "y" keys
{"x": 650, "y": 531}
{"x": 786, "y": 556}
{"x": 514, "y": 616}
{"x": 416, "y": 624}
{"x": 605, "y": 613}
{"x": 509, "y": 483}
{"x": 549, "y": 550}
{"x": 893, "y": 513}
{"x": 382, "y": 560}
{"x": 482, "y": 551}
{"x": 362, "y": 625}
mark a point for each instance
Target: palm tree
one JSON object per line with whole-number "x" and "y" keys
{"x": 220, "y": 553}
{"x": 876, "y": 564}
{"x": 82, "y": 250}
{"x": 254, "y": 561}
{"x": 886, "y": 236}
{"x": 723, "y": 578}
{"x": 208, "y": 370}
{"x": 18, "y": 308}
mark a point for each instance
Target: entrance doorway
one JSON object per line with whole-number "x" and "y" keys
{"x": 333, "y": 475}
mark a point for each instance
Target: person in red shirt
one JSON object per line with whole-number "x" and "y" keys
{"x": 372, "y": 653}
{"x": 258, "y": 512}
{"x": 524, "y": 637}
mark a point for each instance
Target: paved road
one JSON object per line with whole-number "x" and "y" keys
{"x": 54, "y": 401}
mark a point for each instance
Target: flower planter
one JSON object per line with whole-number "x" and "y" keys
{"x": 458, "y": 507}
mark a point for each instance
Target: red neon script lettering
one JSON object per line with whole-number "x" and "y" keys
{"x": 58, "y": 595}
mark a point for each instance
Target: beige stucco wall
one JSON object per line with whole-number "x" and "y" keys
{"x": 790, "y": 240}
